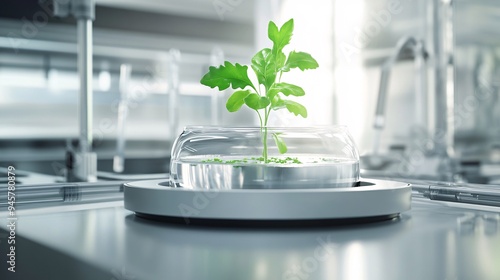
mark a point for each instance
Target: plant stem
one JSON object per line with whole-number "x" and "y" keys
{"x": 263, "y": 131}
{"x": 260, "y": 119}
{"x": 264, "y": 139}
{"x": 264, "y": 142}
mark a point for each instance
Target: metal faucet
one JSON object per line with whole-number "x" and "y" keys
{"x": 84, "y": 161}
{"x": 419, "y": 55}
{"x": 216, "y": 58}
{"x": 173, "y": 67}
{"x": 119, "y": 158}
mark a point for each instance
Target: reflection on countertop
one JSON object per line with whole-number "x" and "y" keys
{"x": 434, "y": 240}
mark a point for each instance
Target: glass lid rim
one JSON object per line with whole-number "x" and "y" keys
{"x": 240, "y": 128}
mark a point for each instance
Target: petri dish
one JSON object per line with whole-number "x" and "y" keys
{"x": 225, "y": 158}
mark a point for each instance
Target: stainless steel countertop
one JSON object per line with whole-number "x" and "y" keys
{"x": 434, "y": 240}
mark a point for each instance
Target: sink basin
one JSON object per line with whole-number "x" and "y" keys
{"x": 429, "y": 168}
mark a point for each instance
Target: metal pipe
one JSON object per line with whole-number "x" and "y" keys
{"x": 82, "y": 165}
{"x": 444, "y": 103}
{"x": 119, "y": 158}
{"x": 379, "y": 122}
{"x": 216, "y": 58}
{"x": 121, "y": 52}
{"x": 421, "y": 96}
{"x": 85, "y": 68}
{"x": 419, "y": 56}
{"x": 174, "y": 60}
{"x": 450, "y": 77}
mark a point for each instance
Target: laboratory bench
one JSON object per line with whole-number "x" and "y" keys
{"x": 434, "y": 240}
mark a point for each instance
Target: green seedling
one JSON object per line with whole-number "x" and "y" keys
{"x": 270, "y": 93}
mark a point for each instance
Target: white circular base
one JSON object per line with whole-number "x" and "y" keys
{"x": 374, "y": 198}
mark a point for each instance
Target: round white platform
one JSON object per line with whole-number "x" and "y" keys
{"x": 372, "y": 199}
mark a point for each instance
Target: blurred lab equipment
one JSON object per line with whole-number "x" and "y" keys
{"x": 174, "y": 59}
{"x": 84, "y": 161}
{"x": 418, "y": 53}
{"x": 119, "y": 158}
{"x": 216, "y": 102}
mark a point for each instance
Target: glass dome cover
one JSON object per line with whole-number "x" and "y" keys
{"x": 212, "y": 157}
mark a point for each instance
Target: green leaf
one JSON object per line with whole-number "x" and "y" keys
{"x": 280, "y": 37}
{"x": 280, "y": 60}
{"x": 264, "y": 66}
{"x": 277, "y": 103}
{"x": 256, "y": 102}
{"x": 280, "y": 143}
{"x": 226, "y": 75}
{"x": 236, "y": 100}
{"x": 295, "y": 108}
{"x": 299, "y": 60}
{"x": 286, "y": 89}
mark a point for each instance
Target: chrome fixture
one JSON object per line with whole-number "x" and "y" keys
{"x": 173, "y": 64}
{"x": 440, "y": 160}
{"x": 442, "y": 49}
{"x": 416, "y": 47}
{"x": 419, "y": 55}
{"x": 216, "y": 105}
{"x": 119, "y": 158}
{"x": 84, "y": 166}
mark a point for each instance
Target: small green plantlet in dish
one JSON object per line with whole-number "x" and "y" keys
{"x": 287, "y": 160}
{"x": 270, "y": 93}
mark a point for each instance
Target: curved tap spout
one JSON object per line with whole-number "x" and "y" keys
{"x": 419, "y": 54}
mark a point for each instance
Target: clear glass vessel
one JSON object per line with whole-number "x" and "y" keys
{"x": 210, "y": 157}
